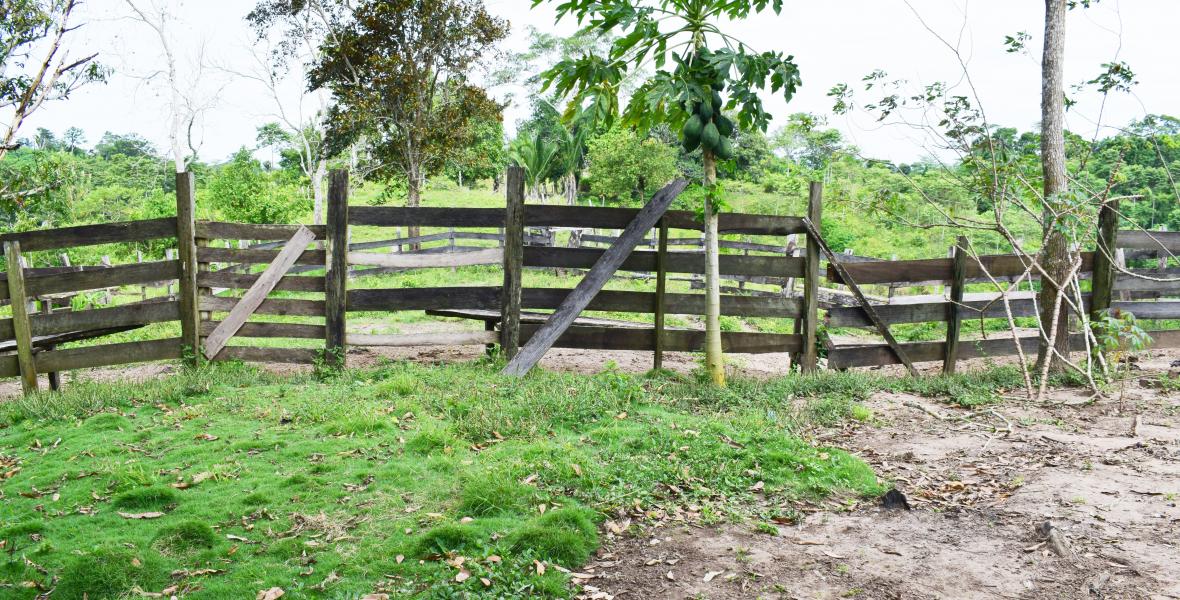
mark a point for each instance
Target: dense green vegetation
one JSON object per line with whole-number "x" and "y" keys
{"x": 385, "y": 480}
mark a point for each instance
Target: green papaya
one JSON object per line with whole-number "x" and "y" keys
{"x": 717, "y": 100}
{"x": 710, "y": 137}
{"x": 705, "y": 110}
{"x": 717, "y": 85}
{"x": 692, "y": 129}
{"x": 690, "y": 144}
{"x": 724, "y": 150}
{"x": 724, "y": 126}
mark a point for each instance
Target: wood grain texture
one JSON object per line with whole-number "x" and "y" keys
{"x": 214, "y": 230}
{"x": 21, "y": 330}
{"x": 423, "y": 298}
{"x": 677, "y": 262}
{"x": 675, "y": 340}
{"x": 954, "y": 308}
{"x": 1149, "y": 240}
{"x": 271, "y": 330}
{"x": 256, "y": 257}
{"x": 270, "y": 306}
{"x": 257, "y": 293}
{"x": 92, "y": 235}
{"x": 490, "y": 256}
{"x": 109, "y": 354}
{"x": 230, "y": 279}
{"x": 510, "y": 292}
{"x": 809, "y": 324}
{"x": 336, "y": 274}
{"x": 577, "y": 300}
{"x": 939, "y": 270}
{"x": 295, "y": 356}
{"x": 186, "y": 245}
{"x": 442, "y": 338}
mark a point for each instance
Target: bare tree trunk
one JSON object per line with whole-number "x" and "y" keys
{"x": 413, "y": 199}
{"x": 714, "y": 359}
{"x": 1055, "y": 254}
{"x": 317, "y": 191}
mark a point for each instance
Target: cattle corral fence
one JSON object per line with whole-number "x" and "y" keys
{"x": 297, "y": 278}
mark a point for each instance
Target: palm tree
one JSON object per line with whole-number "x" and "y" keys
{"x": 533, "y": 154}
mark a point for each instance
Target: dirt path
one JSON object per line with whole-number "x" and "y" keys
{"x": 979, "y": 483}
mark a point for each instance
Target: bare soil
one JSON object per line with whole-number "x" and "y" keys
{"x": 1105, "y": 474}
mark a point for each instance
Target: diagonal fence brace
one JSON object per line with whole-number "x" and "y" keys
{"x": 882, "y": 327}
{"x": 257, "y": 293}
{"x": 579, "y": 298}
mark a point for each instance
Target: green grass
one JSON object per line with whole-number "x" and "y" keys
{"x": 317, "y": 486}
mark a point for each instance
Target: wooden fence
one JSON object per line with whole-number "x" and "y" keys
{"x": 303, "y": 309}
{"x": 1123, "y": 292}
{"x": 313, "y": 297}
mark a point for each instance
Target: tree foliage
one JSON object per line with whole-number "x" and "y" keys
{"x": 398, "y": 71}
{"x": 623, "y": 166}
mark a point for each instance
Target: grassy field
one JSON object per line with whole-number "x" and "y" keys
{"x": 407, "y": 480}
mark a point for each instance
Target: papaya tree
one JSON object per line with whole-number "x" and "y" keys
{"x": 699, "y": 72}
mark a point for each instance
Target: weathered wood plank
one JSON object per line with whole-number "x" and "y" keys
{"x": 1103, "y": 279}
{"x": 109, "y": 354}
{"x": 92, "y": 235}
{"x": 675, "y": 340}
{"x": 20, "y": 317}
{"x": 893, "y": 314}
{"x": 296, "y": 356}
{"x": 882, "y": 327}
{"x": 423, "y": 298}
{"x": 675, "y": 304}
{"x": 490, "y": 256}
{"x": 809, "y": 324}
{"x": 1149, "y": 240}
{"x": 510, "y": 291}
{"x": 271, "y": 330}
{"x": 214, "y": 230}
{"x": 938, "y": 270}
{"x": 336, "y": 276}
{"x": 106, "y": 277}
{"x": 186, "y": 244}
{"x": 846, "y": 357}
{"x": 593, "y": 282}
{"x": 564, "y": 216}
{"x": 252, "y": 256}
{"x": 677, "y": 262}
{"x": 270, "y": 306}
{"x": 1162, "y": 310}
{"x": 661, "y": 294}
{"x": 230, "y": 279}
{"x": 954, "y": 312}
{"x": 442, "y": 338}
{"x": 257, "y": 293}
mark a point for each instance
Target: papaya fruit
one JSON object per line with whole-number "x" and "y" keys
{"x": 693, "y": 127}
{"x": 710, "y": 137}
{"x": 705, "y": 110}
{"x": 690, "y": 144}
{"x": 724, "y": 150}
{"x": 724, "y": 126}
{"x": 717, "y": 100}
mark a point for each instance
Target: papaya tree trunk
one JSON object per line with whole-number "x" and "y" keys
{"x": 714, "y": 359}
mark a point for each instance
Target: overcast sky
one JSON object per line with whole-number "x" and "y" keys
{"x": 833, "y": 41}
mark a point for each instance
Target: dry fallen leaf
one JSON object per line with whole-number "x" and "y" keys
{"x": 577, "y": 469}
{"x": 400, "y": 558}
{"x": 530, "y": 479}
{"x": 711, "y": 574}
{"x": 485, "y": 581}
{"x": 670, "y": 576}
{"x": 540, "y": 567}
{"x": 375, "y": 597}
{"x": 463, "y": 575}
{"x": 495, "y": 558}
{"x": 271, "y": 594}
{"x": 146, "y": 515}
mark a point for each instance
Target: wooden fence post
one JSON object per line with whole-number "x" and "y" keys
{"x": 811, "y": 283}
{"x": 513, "y": 262}
{"x": 1102, "y": 283}
{"x": 54, "y": 377}
{"x": 661, "y": 288}
{"x": 186, "y": 245}
{"x": 336, "y": 282}
{"x": 20, "y": 318}
{"x": 954, "y": 312}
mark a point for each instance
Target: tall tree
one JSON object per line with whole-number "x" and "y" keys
{"x": 1055, "y": 254}
{"x": 398, "y": 70}
{"x": 35, "y": 64}
{"x": 676, "y": 35}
